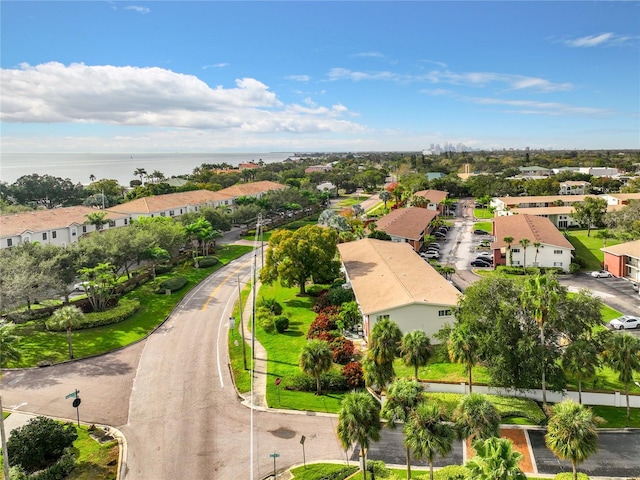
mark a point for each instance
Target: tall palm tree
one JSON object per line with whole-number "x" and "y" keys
{"x": 524, "y": 243}
{"x": 92, "y": 178}
{"x": 476, "y": 418}
{"x": 572, "y": 433}
{"x": 385, "y": 196}
{"x": 581, "y": 359}
{"x": 463, "y": 348}
{"x": 377, "y": 374}
{"x": 495, "y": 460}
{"x": 8, "y": 347}
{"x": 414, "y": 350}
{"x": 403, "y": 396}
{"x": 140, "y": 172}
{"x": 359, "y": 423}
{"x": 428, "y": 433}
{"x": 67, "y": 317}
{"x": 537, "y": 246}
{"x": 509, "y": 241}
{"x": 315, "y": 359}
{"x": 541, "y": 294}
{"x": 622, "y": 354}
{"x": 385, "y": 341}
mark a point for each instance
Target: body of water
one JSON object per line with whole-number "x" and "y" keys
{"x": 78, "y": 167}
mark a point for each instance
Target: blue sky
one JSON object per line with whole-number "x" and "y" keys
{"x": 318, "y": 76}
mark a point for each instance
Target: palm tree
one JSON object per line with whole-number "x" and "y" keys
{"x": 385, "y": 196}
{"x": 140, "y": 172}
{"x": 572, "y": 433}
{"x": 428, "y": 433}
{"x": 622, "y": 354}
{"x": 581, "y": 359}
{"x": 540, "y": 294}
{"x": 385, "y": 341}
{"x": 377, "y": 374}
{"x": 67, "y": 317}
{"x": 463, "y": 348}
{"x": 315, "y": 359}
{"x": 97, "y": 219}
{"x": 495, "y": 460}
{"x": 524, "y": 243}
{"x": 537, "y": 246}
{"x": 509, "y": 241}
{"x": 92, "y": 178}
{"x": 359, "y": 423}
{"x": 414, "y": 350}
{"x": 403, "y": 396}
{"x": 448, "y": 203}
{"x": 8, "y": 348}
{"x": 476, "y": 418}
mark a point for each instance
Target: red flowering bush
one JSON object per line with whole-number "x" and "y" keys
{"x": 354, "y": 375}
{"x": 343, "y": 350}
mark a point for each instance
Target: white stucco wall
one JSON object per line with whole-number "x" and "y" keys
{"x": 417, "y": 317}
{"x": 547, "y": 256}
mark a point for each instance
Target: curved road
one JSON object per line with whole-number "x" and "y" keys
{"x": 172, "y": 396}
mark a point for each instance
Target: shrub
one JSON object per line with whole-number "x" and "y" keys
{"x": 569, "y": 476}
{"x": 160, "y": 269}
{"x": 324, "y": 322}
{"x": 281, "y": 323}
{"x": 574, "y": 267}
{"x": 59, "y": 470}
{"x": 339, "y": 295}
{"x": 40, "y": 443}
{"x": 378, "y": 468}
{"x": 316, "y": 290}
{"x": 332, "y": 381}
{"x": 267, "y": 324}
{"x": 353, "y": 374}
{"x": 343, "y": 350}
{"x": 321, "y": 301}
{"x": 123, "y": 310}
{"x": 451, "y": 472}
{"x": 271, "y": 304}
{"x": 174, "y": 284}
{"x": 208, "y": 261}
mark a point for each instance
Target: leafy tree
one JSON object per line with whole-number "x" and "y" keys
{"x": 463, "y": 347}
{"x": 572, "y": 433}
{"x": 66, "y": 317}
{"x": 23, "y": 278}
{"x": 590, "y": 213}
{"x": 121, "y": 247}
{"x": 97, "y": 219}
{"x": 622, "y": 354}
{"x": 495, "y": 459}
{"x": 414, "y": 350}
{"x": 349, "y": 315}
{"x": 476, "y": 418}
{"x": 8, "y": 344}
{"x": 295, "y": 257}
{"x": 161, "y": 232}
{"x": 100, "y": 282}
{"x": 155, "y": 256}
{"x": 403, "y": 396}
{"x": 46, "y": 191}
{"x": 428, "y": 433}
{"x": 315, "y": 359}
{"x": 201, "y": 230}
{"x": 39, "y": 443}
{"x": 359, "y": 423}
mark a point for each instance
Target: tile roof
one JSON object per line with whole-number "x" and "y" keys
{"x": 575, "y": 183}
{"x": 252, "y": 188}
{"x": 407, "y": 222}
{"x": 625, "y": 196}
{"x": 158, "y": 203}
{"x": 387, "y": 275}
{"x": 543, "y": 199}
{"x": 565, "y": 210}
{"x": 43, "y": 220}
{"x": 630, "y": 249}
{"x": 536, "y": 229}
{"x": 434, "y": 196}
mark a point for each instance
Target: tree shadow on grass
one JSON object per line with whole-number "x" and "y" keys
{"x": 292, "y": 333}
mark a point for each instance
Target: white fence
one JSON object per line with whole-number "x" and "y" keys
{"x": 615, "y": 399}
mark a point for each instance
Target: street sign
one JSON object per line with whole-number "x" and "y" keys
{"x": 278, "y": 380}
{"x": 274, "y": 455}
{"x": 302, "y": 439}
{"x": 71, "y": 395}
{"x": 76, "y": 402}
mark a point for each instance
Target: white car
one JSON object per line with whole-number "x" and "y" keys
{"x": 431, "y": 254}
{"x": 486, "y": 255}
{"x": 80, "y": 287}
{"x": 625, "y": 322}
{"x": 601, "y": 274}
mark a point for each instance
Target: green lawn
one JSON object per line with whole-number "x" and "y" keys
{"x": 486, "y": 226}
{"x": 482, "y": 213}
{"x": 283, "y": 351}
{"x": 242, "y": 376}
{"x": 317, "y": 471}
{"x": 588, "y": 247}
{"x": 36, "y": 344}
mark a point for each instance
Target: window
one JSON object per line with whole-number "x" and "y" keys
{"x": 172, "y": 213}
{"x": 126, "y": 221}
{"x": 112, "y": 223}
{"x": 44, "y": 235}
{"x": 444, "y": 313}
{"x": 54, "y": 234}
{"x": 557, "y": 252}
{"x": 84, "y": 229}
{"x": 516, "y": 262}
{"x": 557, "y": 264}
{"x": 515, "y": 250}
{"x": 162, "y": 214}
{"x": 9, "y": 242}
{"x": 382, "y": 317}
{"x": 74, "y": 232}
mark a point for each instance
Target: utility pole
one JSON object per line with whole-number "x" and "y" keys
{"x": 244, "y": 348}
{"x": 3, "y": 438}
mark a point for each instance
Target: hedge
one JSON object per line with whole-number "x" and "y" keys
{"x": 173, "y": 284}
{"x": 205, "y": 262}
{"x": 125, "y": 308}
{"x": 332, "y": 381}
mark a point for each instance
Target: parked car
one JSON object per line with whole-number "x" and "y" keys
{"x": 625, "y": 322}
{"x": 439, "y": 235}
{"x": 431, "y": 254}
{"x": 484, "y": 243}
{"x": 601, "y": 274}
{"x": 481, "y": 262}
{"x": 480, "y": 232}
{"x": 80, "y": 287}
{"x": 435, "y": 246}
{"x": 485, "y": 254}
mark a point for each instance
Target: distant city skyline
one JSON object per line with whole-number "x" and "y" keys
{"x": 214, "y": 76}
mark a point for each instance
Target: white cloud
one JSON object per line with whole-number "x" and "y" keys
{"x": 298, "y": 78}
{"x": 135, "y": 8}
{"x": 369, "y": 55}
{"x": 153, "y": 97}
{"x": 601, "y": 39}
{"x": 535, "y": 107}
{"x": 474, "y": 79}
{"x": 216, "y": 65}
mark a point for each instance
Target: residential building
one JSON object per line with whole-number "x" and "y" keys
{"x": 391, "y": 281}
{"x": 408, "y": 225}
{"x": 56, "y": 226}
{"x": 318, "y": 168}
{"x": 435, "y": 198}
{"x": 574, "y": 188}
{"x": 535, "y": 171}
{"x": 507, "y": 205}
{"x": 623, "y": 260}
{"x": 554, "y": 250}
